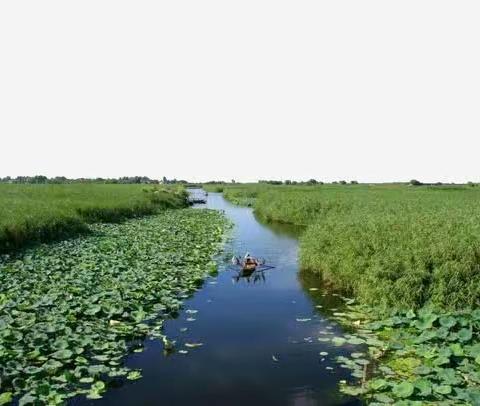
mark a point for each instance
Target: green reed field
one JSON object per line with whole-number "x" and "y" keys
{"x": 396, "y": 245}
{"x": 32, "y": 213}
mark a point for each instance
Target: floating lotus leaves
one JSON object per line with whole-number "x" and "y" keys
{"x": 5, "y": 398}
{"x": 378, "y": 384}
{"x": 134, "y": 375}
{"x": 69, "y": 311}
{"x": 426, "y": 321}
{"x": 383, "y": 398}
{"x": 443, "y": 389}
{"x": 424, "y": 387}
{"x": 448, "y": 321}
{"x": 352, "y": 390}
{"x": 464, "y": 335}
{"x": 427, "y": 356}
{"x": 355, "y": 341}
{"x": 62, "y": 354}
{"x": 403, "y": 390}
{"x": 338, "y": 341}
{"x": 96, "y": 390}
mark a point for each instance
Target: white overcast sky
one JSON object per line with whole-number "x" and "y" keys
{"x": 252, "y": 89}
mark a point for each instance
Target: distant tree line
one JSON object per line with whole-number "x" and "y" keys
{"x": 344, "y": 182}
{"x": 310, "y": 182}
{"x": 271, "y": 182}
{"x": 218, "y": 182}
{"x": 415, "y": 182}
{"x": 40, "y": 179}
{"x": 166, "y": 181}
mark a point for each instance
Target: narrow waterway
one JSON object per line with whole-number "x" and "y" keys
{"x": 259, "y": 335}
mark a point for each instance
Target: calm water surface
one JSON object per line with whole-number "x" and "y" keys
{"x": 244, "y": 323}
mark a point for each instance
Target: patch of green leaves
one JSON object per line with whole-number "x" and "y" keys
{"x": 425, "y": 357}
{"x": 69, "y": 311}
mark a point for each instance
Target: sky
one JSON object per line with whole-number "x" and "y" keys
{"x": 373, "y": 91}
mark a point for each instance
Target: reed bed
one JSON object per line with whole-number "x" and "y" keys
{"x": 40, "y": 213}
{"x": 393, "y": 246}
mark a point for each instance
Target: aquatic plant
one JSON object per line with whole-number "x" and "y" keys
{"x": 70, "y": 311}
{"x": 415, "y": 357}
{"x": 215, "y": 188}
{"x": 242, "y": 195}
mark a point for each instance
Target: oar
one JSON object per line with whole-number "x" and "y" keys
{"x": 266, "y": 267}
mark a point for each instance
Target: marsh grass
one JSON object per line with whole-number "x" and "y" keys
{"x": 393, "y": 246}
{"x": 215, "y": 188}
{"x": 243, "y": 195}
{"x": 40, "y": 213}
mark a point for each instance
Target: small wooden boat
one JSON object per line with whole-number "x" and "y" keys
{"x": 249, "y": 268}
{"x": 248, "y": 263}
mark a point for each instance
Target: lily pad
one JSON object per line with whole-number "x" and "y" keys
{"x": 5, "y": 398}
{"x": 403, "y": 390}
{"x": 338, "y": 341}
{"x": 134, "y": 375}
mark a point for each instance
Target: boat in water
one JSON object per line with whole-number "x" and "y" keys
{"x": 248, "y": 263}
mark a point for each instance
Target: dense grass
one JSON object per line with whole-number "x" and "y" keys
{"x": 37, "y": 213}
{"x": 215, "y": 188}
{"x": 394, "y": 246}
{"x": 242, "y": 194}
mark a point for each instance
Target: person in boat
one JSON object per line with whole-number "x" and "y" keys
{"x": 249, "y": 260}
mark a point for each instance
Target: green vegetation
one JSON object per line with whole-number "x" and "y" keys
{"x": 70, "y": 311}
{"x": 404, "y": 253}
{"x": 407, "y": 358}
{"x": 215, "y": 188}
{"x": 390, "y": 246}
{"x": 421, "y": 357}
{"x": 38, "y": 213}
{"x": 243, "y": 195}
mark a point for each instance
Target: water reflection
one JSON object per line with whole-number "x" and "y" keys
{"x": 249, "y": 276}
{"x": 319, "y": 293}
{"x": 281, "y": 229}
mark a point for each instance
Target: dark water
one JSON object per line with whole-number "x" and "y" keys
{"x": 244, "y": 324}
